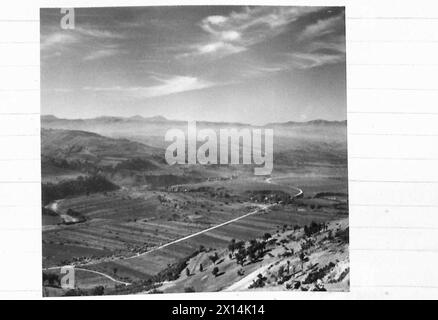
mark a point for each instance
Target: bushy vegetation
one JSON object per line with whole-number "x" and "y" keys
{"x": 51, "y": 279}
{"x": 318, "y": 273}
{"x": 330, "y": 194}
{"x": 79, "y": 186}
{"x": 313, "y": 228}
{"x": 96, "y": 291}
{"x": 344, "y": 235}
{"x": 259, "y": 282}
{"x": 214, "y": 258}
{"x": 253, "y": 252}
{"x": 68, "y": 165}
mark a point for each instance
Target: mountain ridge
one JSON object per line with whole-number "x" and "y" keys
{"x": 162, "y": 119}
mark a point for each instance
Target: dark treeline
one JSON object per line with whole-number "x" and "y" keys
{"x": 80, "y": 165}
{"x": 136, "y": 164}
{"x": 79, "y": 186}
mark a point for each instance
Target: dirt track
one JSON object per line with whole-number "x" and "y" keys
{"x": 54, "y": 206}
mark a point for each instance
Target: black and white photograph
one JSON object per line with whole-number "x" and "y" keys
{"x": 193, "y": 149}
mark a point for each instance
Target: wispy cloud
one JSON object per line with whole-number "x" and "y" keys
{"x": 323, "y": 27}
{"x": 58, "y": 39}
{"x": 236, "y": 32}
{"x": 95, "y": 33}
{"x": 103, "y": 52}
{"x": 322, "y": 42}
{"x": 171, "y": 85}
{"x": 92, "y": 41}
{"x": 319, "y": 43}
{"x": 311, "y": 60}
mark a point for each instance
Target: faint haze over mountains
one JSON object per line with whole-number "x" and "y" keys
{"x": 253, "y": 65}
{"x": 160, "y": 119}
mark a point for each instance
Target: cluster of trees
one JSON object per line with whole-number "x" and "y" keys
{"x": 136, "y": 164}
{"x": 64, "y": 164}
{"x": 213, "y": 258}
{"x": 330, "y": 194}
{"x": 253, "y": 252}
{"x": 51, "y": 279}
{"x": 318, "y": 273}
{"x": 259, "y": 282}
{"x": 96, "y": 291}
{"x": 343, "y": 235}
{"x": 314, "y": 228}
{"x": 307, "y": 244}
{"x": 79, "y": 186}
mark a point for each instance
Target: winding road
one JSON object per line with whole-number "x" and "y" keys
{"x": 104, "y": 275}
{"x": 54, "y": 206}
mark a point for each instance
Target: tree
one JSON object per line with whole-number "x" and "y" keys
{"x": 187, "y": 272}
{"x": 239, "y": 245}
{"x": 259, "y": 282}
{"x": 201, "y": 268}
{"x": 302, "y": 258}
{"x": 215, "y": 271}
{"x": 214, "y": 257}
{"x": 281, "y": 272}
{"x": 256, "y": 249}
{"x": 241, "y": 256}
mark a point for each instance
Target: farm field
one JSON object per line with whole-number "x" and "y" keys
{"x": 132, "y": 221}
{"x": 141, "y": 224}
{"x": 246, "y": 229}
{"x": 122, "y": 228}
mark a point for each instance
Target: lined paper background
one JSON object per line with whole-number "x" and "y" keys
{"x": 392, "y": 90}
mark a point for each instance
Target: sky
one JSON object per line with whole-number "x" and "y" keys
{"x": 216, "y": 63}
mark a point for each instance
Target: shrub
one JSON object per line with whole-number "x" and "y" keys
{"x": 259, "y": 282}
{"x": 214, "y": 257}
{"x": 318, "y": 273}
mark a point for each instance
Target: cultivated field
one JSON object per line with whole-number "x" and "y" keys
{"x": 141, "y": 224}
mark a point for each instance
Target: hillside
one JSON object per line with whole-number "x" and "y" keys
{"x": 82, "y": 145}
{"x": 313, "y": 258}
{"x": 67, "y": 154}
{"x": 151, "y": 131}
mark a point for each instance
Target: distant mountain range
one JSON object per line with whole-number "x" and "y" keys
{"x": 317, "y": 122}
{"x": 51, "y": 119}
